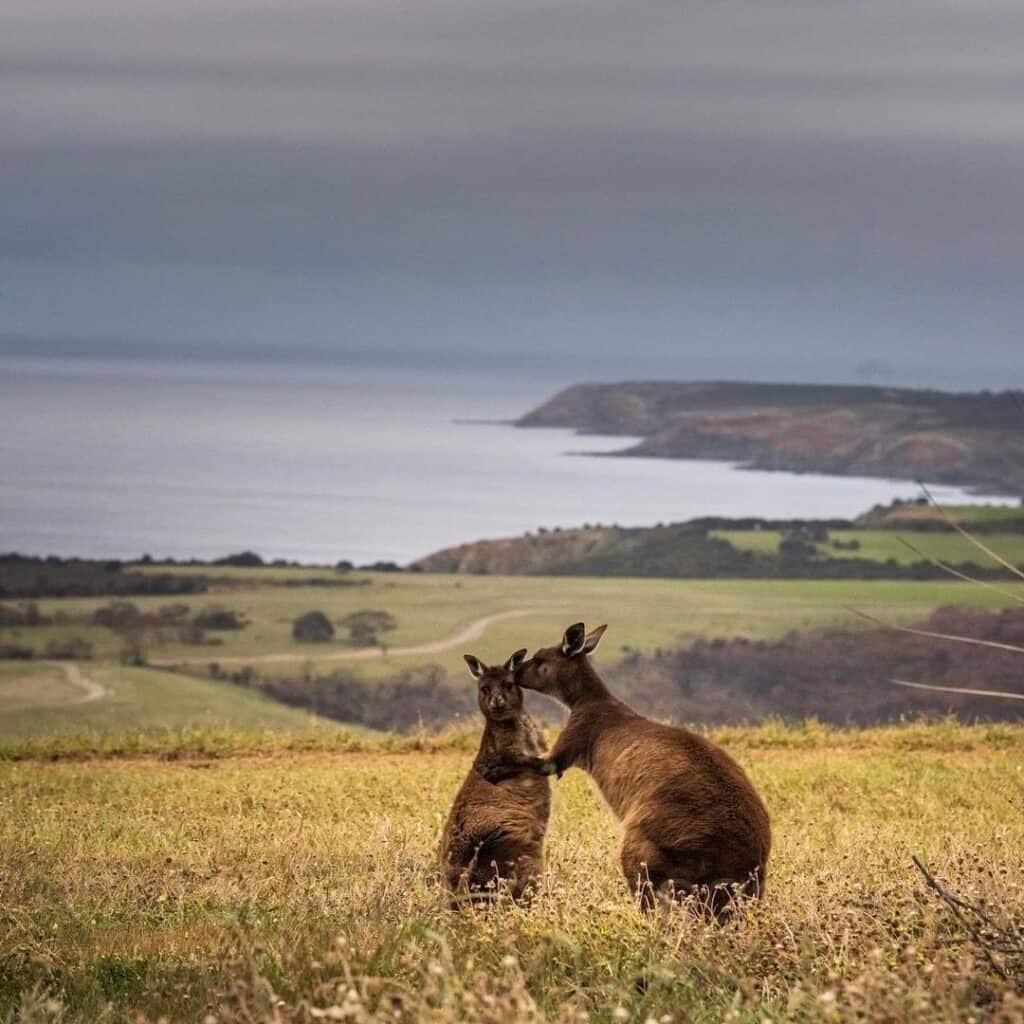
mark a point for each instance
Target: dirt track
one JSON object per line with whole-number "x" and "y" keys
{"x": 473, "y": 631}
{"x": 91, "y": 690}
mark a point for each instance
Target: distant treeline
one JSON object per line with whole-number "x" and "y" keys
{"x": 252, "y": 560}
{"x": 27, "y": 577}
{"x": 839, "y": 676}
{"x": 879, "y": 518}
{"x": 22, "y": 576}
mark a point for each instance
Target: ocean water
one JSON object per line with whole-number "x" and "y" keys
{"x": 116, "y": 459}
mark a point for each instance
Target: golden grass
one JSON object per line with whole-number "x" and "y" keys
{"x": 300, "y": 884}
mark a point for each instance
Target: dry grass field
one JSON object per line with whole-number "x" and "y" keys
{"x": 277, "y": 878}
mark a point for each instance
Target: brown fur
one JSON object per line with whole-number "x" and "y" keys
{"x": 693, "y": 822}
{"x": 494, "y": 837}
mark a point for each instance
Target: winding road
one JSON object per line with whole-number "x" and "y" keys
{"x": 473, "y": 631}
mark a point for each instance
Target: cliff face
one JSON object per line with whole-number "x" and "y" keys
{"x": 972, "y": 440}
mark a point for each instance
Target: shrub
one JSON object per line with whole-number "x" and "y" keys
{"x": 120, "y": 616}
{"x": 191, "y": 633}
{"x": 15, "y": 652}
{"x": 220, "y": 618}
{"x": 313, "y": 627}
{"x": 418, "y": 696}
{"x": 71, "y": 649}
{"x": 25, "y": 614}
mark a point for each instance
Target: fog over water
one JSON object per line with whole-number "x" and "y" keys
{"x": 117, "y": 459}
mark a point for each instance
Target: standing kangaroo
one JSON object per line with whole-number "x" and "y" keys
{"x": 693, "y": 823}
{"x": 494, "y": 836}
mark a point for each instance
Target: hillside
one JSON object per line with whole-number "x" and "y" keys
{"x": 227, "y": 676}
{"x": 732, "y": 549}
{"x": 130, "y": 698}
{"x": 972, "y": 440}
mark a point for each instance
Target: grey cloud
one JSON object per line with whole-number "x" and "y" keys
{"x": 772, "y": 182}
{"x": 934, "y": 84}
{"x": 450, "y": 70}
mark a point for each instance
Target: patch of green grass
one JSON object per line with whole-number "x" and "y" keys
{"x": 138, "y": 697}
{"x": 881, "y": 545}
{"x": 105, "y": 644}
{"x": 24, "y": 685}
{"x": 965, "y": 514}
{"x": 643, "y": 614}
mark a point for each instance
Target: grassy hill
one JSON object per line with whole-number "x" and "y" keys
{"x": 645, "y": 614}
{"x": 34, "y": 700}
{"x": 715, "y": 548}
{"x": 420, "y": 675}
{"x": 298, "y": 887}
{"x": 974, "y": 440}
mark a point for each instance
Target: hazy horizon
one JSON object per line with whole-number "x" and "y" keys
{"x": 116, "y": 460}
{"x": 543, "y": 374}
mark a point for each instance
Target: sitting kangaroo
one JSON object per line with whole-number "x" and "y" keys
{"x": 494, "y": 836}
{"x": 693, "y": 823}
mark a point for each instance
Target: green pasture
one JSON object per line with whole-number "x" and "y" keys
{"x": 882, "y": 545}
{"x": 962, "y": 513}
{"x": 643, "y": 614}
{"x": 135, "y": 698}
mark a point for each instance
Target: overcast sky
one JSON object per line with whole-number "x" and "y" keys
{"x": 733, "y": 188}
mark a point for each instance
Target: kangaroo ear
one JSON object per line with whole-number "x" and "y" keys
{"x": 593, "y": 638}
{"x": 476, "y": 667}
{"x": 515, "y": 661}
{"x": 574, "y": 639}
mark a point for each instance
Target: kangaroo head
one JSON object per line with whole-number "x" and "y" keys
{"x": 497, "y": 694}
{"x": 563, "y": 671}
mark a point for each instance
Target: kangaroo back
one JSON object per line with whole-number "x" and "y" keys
{"x": 693, "y": 821}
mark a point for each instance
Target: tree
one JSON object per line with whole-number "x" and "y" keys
{"x": 241, "y": 559}
{"x": 364, "y": 626}
{"x": 312, "y": 628}
{"x": 794, "y": 547}
{"x": 120, "y": 616}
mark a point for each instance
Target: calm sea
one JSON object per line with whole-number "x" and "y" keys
{"x": 117, "y": 460}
